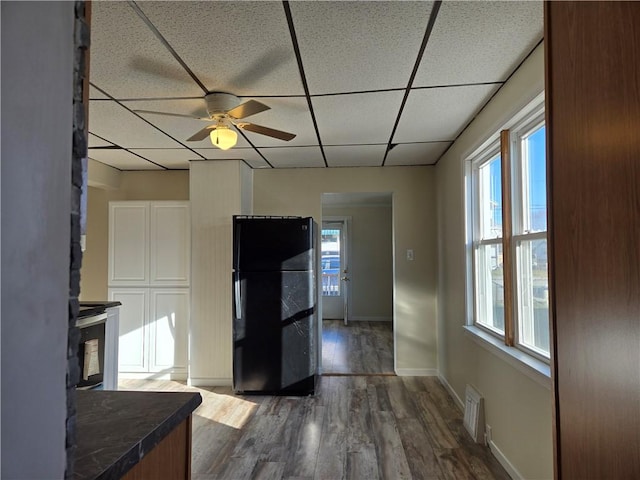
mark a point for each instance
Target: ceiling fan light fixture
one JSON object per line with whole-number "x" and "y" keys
{"x": 223, "y": 137}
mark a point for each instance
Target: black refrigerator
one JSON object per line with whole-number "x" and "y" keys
{"x": 275, "y": 334}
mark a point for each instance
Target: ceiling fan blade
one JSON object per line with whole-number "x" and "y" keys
{"x": 202, "y": 134}
{"x": 174, "y": 115}
{"x": 247, "y": 109}
{"x": 269, "y": 132}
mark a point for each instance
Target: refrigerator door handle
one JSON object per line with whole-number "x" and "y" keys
{"x": 236, "y": 296}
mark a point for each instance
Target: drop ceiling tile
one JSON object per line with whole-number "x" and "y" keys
{"x": 98, "y": 142}
{"x": 249, "y": 155}
{"x": 416, "y": 153}
{"x": 287, "y": 114}
{"x": 355, "y": 155}
{"x": 116, "y": 124}
{"x": 363, "y": 118}
{"x": 168, "y": 157}
{"x": 355, "y": 46}
{"x": 128, "y": 61}
{"x": 440, "y": 114}
{"x": 294, "y": 157}
{"x": 475, "y": 42}
{"x": 242, "y": 48}
{"x": 121, "y": 159}
{"x": 95, "y": 94}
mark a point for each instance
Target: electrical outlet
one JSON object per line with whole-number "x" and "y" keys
{"x": 487, "y": 434}
{"x": 410, "y": 255}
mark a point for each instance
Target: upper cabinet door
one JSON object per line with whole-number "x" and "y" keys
{"x": 170, "y": 244}
{"x": 128, "y": 243}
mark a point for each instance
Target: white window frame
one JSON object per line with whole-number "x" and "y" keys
{"x": 530, "y": 362}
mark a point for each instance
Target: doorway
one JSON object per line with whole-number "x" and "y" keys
{"x": 357, "y": 284}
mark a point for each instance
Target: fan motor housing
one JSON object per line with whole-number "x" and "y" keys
{"x": 220, "y": 103}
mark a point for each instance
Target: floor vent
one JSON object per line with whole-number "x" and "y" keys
{"x": 474, "y": 414}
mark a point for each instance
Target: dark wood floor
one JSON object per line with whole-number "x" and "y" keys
{"x": 357, "y": 348}
{"x": 355, "y": 427}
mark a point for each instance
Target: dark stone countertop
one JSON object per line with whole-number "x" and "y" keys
{"x": 115, "y": 429}
{"x": 88, "y": 309}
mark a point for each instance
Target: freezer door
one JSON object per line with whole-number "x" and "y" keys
{"x": 274, "y": 333}
{"x": 273, "y": 244}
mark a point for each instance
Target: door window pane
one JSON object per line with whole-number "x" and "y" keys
{"x": 490, "y": 287}
{"x": 533, "y": 295}
{"x": 331, "y": 262}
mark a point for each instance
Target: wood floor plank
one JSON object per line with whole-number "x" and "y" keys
{"x": 363, "y": 463}
{"x": 419, "y": 452}
{"x": 355, "y": 427}
{"x": 392, "y": 460}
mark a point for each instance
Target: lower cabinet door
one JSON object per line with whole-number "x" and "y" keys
{"x": 133, "y": 346}
{"x": 168, "y": 329}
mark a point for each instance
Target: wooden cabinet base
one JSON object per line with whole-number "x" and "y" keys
{"x": 169, "y": 460}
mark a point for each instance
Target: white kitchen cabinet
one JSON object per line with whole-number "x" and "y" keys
{"x": 149, "y": 273}
{"x": 154, "y": 325}
{"x": 149, "y": 244}
{"x": 133, "y": 347}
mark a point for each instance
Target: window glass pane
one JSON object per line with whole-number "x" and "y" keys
{"x": 535, "y": 181}
{"x": 330, "y": 262}
{"x": 490, "y": 199}
{"x": 490, "y": 287}
{"x": 533, "y": 295}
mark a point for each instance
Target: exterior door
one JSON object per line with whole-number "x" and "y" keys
{"x": 335, "y": 271}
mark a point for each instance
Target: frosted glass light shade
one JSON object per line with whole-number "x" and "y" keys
{"x": 223, "y": 137}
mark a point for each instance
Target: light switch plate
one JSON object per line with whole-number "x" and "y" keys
{"x": 410, "y": 255}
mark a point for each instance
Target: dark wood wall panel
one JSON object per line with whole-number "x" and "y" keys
{"x": 593, "y": 125}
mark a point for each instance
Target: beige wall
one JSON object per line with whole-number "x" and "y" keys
{"x": 299, "y": 192}
{"x": 164, "y": 185}
{"x": 517, "y": 408}
{"x": 370, "y": 260}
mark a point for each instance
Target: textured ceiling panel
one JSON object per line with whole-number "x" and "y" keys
{"x": 288, "y": 114}
{"x": 121, "y": 159}
{"x": 116, "y": 124}
{"x": 98, "y": 142}
{"x": 94, "y": 93}
{"x": 168, "y": 157}
{"x": 242, "y": 48}
{"x": 475, "y": 42}
{"x": 355, "y": 46}
{"x": 355, "y": 156}
{"x": 128, "y": 61}
{"x": 249, "y": 155}
{"x": 440, "y": 114}
{"x": 357, "y": 118}
{"x": 294, "y": 157}
{"x": 416, "y": 153}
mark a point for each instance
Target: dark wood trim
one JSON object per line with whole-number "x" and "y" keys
{"x": 507, "y": 237}
{"x": 593, "y": 113}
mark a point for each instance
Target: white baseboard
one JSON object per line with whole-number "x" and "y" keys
{"x": 177, "y": 376}
{"x": 416, "y": 372}
{"x": 209, "y": 382}
{"x": 362, "y": 318}
{"x": 504, "y": 461}
{"x": 452, "y": 392}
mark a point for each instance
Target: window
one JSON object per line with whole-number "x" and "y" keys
{"x": 508, "y": 212}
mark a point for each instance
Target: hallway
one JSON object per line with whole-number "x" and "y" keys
{"x": 357, "y": 348}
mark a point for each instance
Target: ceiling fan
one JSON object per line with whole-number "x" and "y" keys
{"x": 225, "y": 110}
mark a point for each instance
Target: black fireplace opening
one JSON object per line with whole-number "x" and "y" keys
{"x": 91, "y": 355}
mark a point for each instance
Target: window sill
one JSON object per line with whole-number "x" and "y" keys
{"x": 533, "y": 368}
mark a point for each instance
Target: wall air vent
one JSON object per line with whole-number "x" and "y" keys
{"x": 474, "y": 414}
